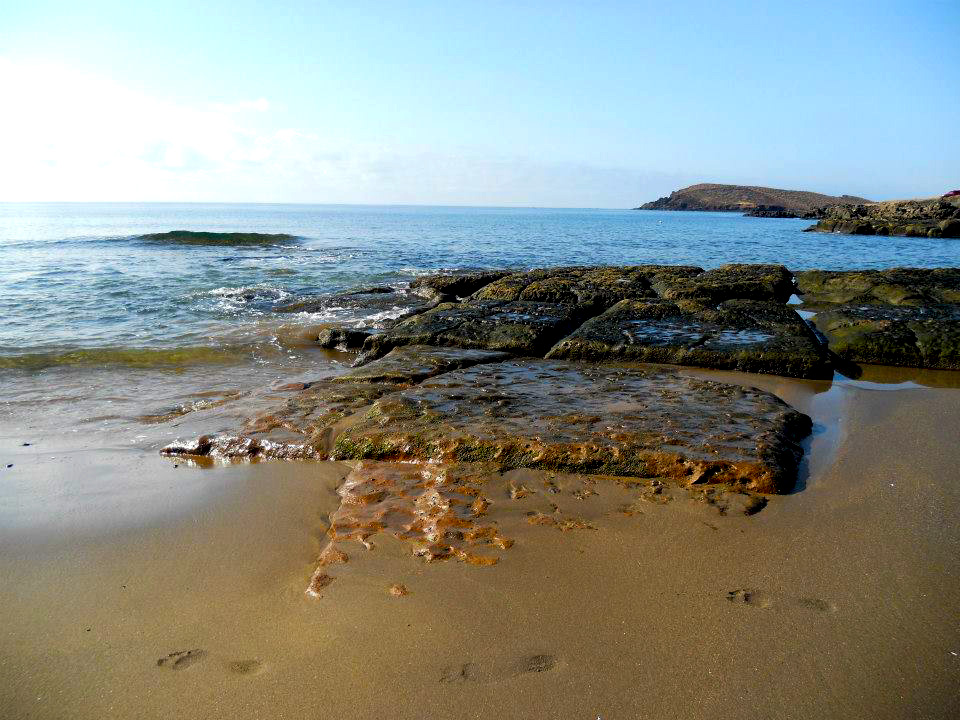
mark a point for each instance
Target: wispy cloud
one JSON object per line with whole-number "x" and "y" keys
{"x": 67, "y": 135}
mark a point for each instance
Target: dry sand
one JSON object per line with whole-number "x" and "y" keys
{"x": 184, "y": 596}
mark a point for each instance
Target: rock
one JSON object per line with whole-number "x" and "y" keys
{"x": 715, "y": 197}
{"x": 927, "y": 337}
{"x": 899, "y": 286}
{"x": 541, "y": 414}
{"x": 414, "y": 363}
{"x": 342, "y": 338}
{"x": 520, "y": 328}
{"x": 595, "y": 288}
{"x": 728, "y": 282}
{"x": 912, "y": 218}
{"x": 452, "y": 287}
{"x": 950, "y": 228}
{"x": 745, "y": 335}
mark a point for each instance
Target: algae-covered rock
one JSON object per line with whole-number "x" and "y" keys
{"x": 451, "y": 287}
{"x": 927, "y": 337}
{"x": 898, "y": 286}
{"x": 745, "y": 335}
{"x": 340, "y": 338}
{"x": 595, "y": 287}
{"x": 913, "y": 218}
{"x": 519, "y": 327}
{"x": 729, "y": 282}
{"x": 607, "y": 420}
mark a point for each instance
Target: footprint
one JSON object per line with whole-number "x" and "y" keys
{"x": 536, "y": 664}
{"x": 457, "y": 673}
{"x": 756, "y": 598}
{"x": 245, "y": 667}
{"x": 753, "y": 598}
{"x": 181, "y": 659}
{"x": 494, "y": 671}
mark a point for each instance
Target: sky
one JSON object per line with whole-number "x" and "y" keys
{"x": 544, "y": 104}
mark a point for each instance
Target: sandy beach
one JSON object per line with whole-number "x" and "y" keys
{"x": 838, "y": 600}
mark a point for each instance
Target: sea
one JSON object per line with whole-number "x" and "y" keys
{"x": 110, "y": 336}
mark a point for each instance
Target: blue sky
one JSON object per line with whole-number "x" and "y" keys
{"x": 601, "y": 104}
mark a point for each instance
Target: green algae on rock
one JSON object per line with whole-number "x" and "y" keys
{"x": 933, "y": 217}
{"x": 751, "y": 336}
{"x": 520, "y": 328}
{"x": 897, "y": 286}
{"x": 923, "y": 337}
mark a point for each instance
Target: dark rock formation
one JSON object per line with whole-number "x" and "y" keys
{"x": 527, "y": 313}
{"x": 780, "y": 212}
{"x": 742, "y": 335}
{"x": 520, "y": 328}
{"x": 904, "y": 316}
{"x": 927, "y": 337}
{"x": 898, "y": 286}
{"x": 912, "y": 218}
{"x": 741, "y": 198}
{"x": 451, "y": 287}
{"x": 339, "y": 338}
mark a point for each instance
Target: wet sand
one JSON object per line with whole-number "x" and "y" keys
{"x": 186, "y": 599}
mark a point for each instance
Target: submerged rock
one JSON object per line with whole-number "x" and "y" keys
{"x": 736, "y": 335}
{"x": 587, "y": 419}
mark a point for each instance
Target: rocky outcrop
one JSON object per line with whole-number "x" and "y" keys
{"x": 904, "y": 316}
{"x": 193, "y": 237}
{"x": 744, "y": 335}
{"x": 529, "y": 313}
{"x": 898, "y": 286}
{"x": 742, "y": 198}
{"x": 454, "y": 286}
{"x": 934, "y": 218}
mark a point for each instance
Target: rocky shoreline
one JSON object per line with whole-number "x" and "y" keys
{"x": 574, "y": 371}
{"x": 935, "y": 218}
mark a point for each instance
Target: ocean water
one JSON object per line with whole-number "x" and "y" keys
{"x": 101, "y": 324}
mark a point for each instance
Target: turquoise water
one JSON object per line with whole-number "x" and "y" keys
{"x": 79, "y": 286}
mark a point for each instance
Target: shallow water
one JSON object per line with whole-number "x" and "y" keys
{"x": 98, "y": 316}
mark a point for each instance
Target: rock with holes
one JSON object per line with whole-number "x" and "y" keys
{"x": 587, "y": 419}
{"x": 751, "y": 336}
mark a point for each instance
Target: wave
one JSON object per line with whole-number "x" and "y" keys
{"x": 232, "y": 239}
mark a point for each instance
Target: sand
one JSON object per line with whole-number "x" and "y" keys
{"x": 184, "y": 595}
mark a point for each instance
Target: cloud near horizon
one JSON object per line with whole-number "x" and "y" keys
{"x": 73, "y": 136}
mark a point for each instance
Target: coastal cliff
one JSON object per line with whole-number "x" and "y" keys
{"x": 754, "y": 200}
{"x": 935, "y": 217}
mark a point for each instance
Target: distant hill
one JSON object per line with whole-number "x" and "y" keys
{"x": 743, "y": 198}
